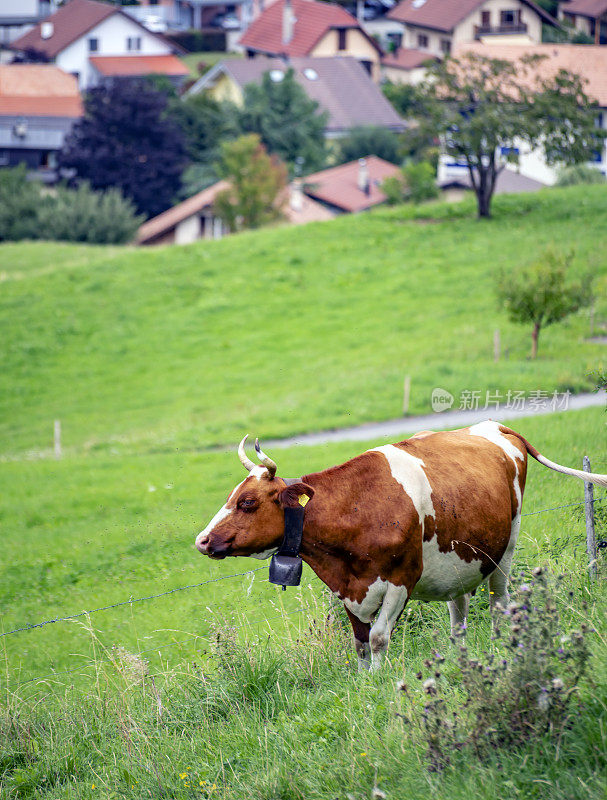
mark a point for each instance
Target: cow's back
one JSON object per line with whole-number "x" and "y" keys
{"x": 466, "y": 490}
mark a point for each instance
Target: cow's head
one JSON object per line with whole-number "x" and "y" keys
{"x": 251, "y": 523}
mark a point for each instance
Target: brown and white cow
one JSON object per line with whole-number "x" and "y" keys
{"x": 429, "y": 518}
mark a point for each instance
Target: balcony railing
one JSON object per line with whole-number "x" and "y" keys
{"x": 499, "y": 30}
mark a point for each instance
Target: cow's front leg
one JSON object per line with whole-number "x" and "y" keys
{"x": 392, "y": 607}
{"x": 361, "y": 640}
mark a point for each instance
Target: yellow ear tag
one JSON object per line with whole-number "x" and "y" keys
{"x": 303, "y": 499}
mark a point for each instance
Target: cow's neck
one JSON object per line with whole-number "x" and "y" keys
{"x": 330, "y": 544}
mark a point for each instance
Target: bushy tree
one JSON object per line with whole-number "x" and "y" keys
{"x": 256, "y": 181}
{"x": 288, "y": 123}
{"x": 415, "y": 183}
{"x": 82, "y": 215}
{"x": 579, "y": 173}
{"x": 540, "y": 295}
{"x": 482, "y": 105}
{"x": 205, "y": 123}
{"x": 20, "y": 202}
{"x": 126, "y": 140}
{"x": 366, "y": 140}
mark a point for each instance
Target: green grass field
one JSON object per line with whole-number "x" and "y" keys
{"x": 151, "y": 357}
{"x": 192, "y": 61}
{"x": 281, "y": 331}
{"x": 87, "y": 531}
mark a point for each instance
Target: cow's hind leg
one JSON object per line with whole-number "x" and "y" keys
{"x": 498, "y": 580}
{"x": 458, "y": 613}
{"x": 392, "y": 607}
{"x": 361, "y": 640}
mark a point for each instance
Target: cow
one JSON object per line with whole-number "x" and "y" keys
{"x": 428, "y": 518}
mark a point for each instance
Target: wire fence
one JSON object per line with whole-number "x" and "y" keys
{"x": 197, "y": 637}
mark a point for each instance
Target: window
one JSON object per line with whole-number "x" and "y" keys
{"x": 485, "y": 19}
{"x": 93, "y": 45}
{"x": 509, "y": 18}
{"x": 422, "y": 40}
{"x": 445, "y": 45}
{"x": 133, "y": 43}
{"x": 342, "y": 36}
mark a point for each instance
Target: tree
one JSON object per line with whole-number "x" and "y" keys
{"x": 416, "y": 183}
{"x": 368, "y": 140}
{"x": 126, "y": 140}
{"x": 286, "y": 120}
{"x": 256, "y": 181}
{"x": 483, "y": 106}
{"x": 540, "y": 295}
{"x": 20, "y": 202}
{"x": 204, "y": 123}
{"x": 81, "y": 215}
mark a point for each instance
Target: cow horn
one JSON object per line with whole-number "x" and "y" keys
{"x": 244, "y": 459}
{"x": 265, "y": 460}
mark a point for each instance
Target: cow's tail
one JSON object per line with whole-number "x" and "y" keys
{"x": 591, "y": 477}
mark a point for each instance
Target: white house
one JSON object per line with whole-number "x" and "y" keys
{"x": 82, "y": 33}
{"x": 588, "y": 61}
{"x": 16, "y": 16}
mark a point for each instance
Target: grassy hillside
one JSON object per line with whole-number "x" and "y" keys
{"x": 284, "y": 330}
{"x": 247, "y": 695}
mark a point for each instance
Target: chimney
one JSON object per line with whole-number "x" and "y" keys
{"x": 363, "y": 176}
{"x": 288, "y": 22}
{"x": 296, "y": 195}
{"x": 46, "y": 30}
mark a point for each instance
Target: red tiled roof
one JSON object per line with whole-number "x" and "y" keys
{"x": 38, "y": 90}
{"x": 139, "y": 65}
{"x": 166, "y": 221}
{"x": 444, "y": 15}
{"x": 70, "y": 22}
{"x": 585, "y": 8}
{"x": 313, "y": 20}
{"x": 587, "y": 60}
{"x": 407, "y": 58}
{"x": 338, "y": 186}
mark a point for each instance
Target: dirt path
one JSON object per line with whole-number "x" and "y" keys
{"x": 395, "y": 428}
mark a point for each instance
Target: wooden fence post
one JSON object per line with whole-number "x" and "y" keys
{"x": 406, "y": 393}
{"x": 496, "y": 345}
{"x": 57, "y": 438}
{"x": 590, "y": 533}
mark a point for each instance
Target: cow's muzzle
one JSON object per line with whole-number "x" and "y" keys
{"x": 212, "y": 549}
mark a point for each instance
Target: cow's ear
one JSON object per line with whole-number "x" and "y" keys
{"x": 295, "y": 495}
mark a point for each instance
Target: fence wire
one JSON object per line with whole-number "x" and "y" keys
{"x": 220, "y": 578}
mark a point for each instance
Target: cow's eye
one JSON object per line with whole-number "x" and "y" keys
{"x": 247, "y": 503}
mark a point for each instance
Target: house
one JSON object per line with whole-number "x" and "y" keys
{"x": 16, "y": 16}
{"x": 186, "y": 222}
{"x": 341, "y": 86}
{"x": 438, "y": 26}
{"x": 83, "y": 33}
{"x": 586, "y": 16}
{"x": 406, "y": 65}
{"x": 295, "y": 28}
{"x": 588, "y": 61}
{"x": 352, "y": 187}
{"x": 195, "y": 219}
{"x": 39, "y": 103}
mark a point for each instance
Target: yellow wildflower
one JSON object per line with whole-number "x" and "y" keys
{"x": 363, "y": 754}
{"x": 183, "y": 775}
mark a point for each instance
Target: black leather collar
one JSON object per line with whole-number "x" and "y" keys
{"x": 286, "y": 566}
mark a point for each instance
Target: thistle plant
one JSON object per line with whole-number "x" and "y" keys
{"x": 522, "y": 689}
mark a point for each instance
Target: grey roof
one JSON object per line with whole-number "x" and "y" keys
{"x": 342, "y": 87}
{"x": 508, "y": 182}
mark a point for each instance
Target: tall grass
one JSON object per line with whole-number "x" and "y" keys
{"x": 290, "y": 717}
